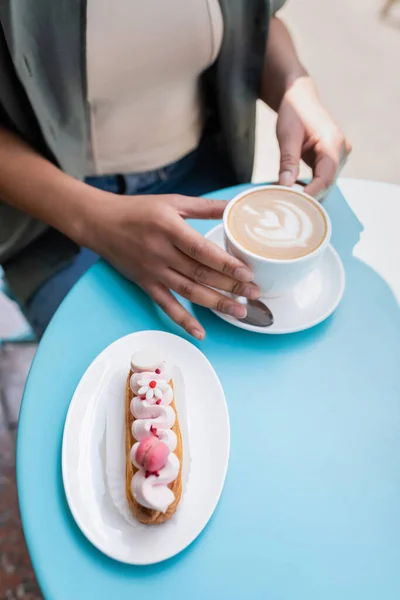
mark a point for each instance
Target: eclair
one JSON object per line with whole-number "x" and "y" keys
{"x": 153, "y": 441}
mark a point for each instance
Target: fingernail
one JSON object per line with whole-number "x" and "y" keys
{"x": 243, "y": 274}
{"x": 252, "y": 293}
{"x": 286, "y": 178}
{"x": 198, "y": 334}
{"x": 238, "y": 311}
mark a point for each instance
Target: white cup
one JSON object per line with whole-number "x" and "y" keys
{"x": 274, "y": 276}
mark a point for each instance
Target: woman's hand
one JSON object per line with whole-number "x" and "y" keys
{"x": 148, "y": 241}
{"x": 305, "y": 130}
{"x": 145, "y": 237}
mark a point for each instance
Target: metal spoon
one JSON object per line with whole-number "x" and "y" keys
{"x": 258, "y": 313}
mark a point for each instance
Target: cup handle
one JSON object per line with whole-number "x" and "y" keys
{"x": 297, "y": 184}
{"x": 300, "y": 185}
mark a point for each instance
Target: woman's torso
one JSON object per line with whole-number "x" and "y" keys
{"x": 143, "y": 63}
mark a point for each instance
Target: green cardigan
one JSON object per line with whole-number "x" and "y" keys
{"x": 43, "y": 89}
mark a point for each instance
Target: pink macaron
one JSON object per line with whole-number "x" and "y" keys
{"x": 152, "y": 454}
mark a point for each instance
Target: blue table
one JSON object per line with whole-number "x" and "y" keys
{"x": 320, "y": 519}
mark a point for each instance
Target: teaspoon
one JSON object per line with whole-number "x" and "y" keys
{"x": 258, "y": 313}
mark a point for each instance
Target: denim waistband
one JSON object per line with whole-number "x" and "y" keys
{"x": 136, "y": 183}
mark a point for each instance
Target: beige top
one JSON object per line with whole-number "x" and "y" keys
{"x": 144, "y": 58}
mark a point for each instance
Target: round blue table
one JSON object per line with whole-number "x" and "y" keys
{"x": 317, "y": 516}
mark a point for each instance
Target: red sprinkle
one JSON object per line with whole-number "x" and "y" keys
{"x": 153, "y": 384}
{"x": 143, "y": 397}
{"x": 155, "y": 473}
{"x": 153, "y": 430}
{"x": 158, "y": 371}
{"x": 158, "y": 402}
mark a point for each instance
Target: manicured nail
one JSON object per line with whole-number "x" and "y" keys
{"x": 198, "y": 334}
{"x": 238, "y": 311}
{"x": 243, "y": 274}
{"x": 286, "y": 178}
{"x": 252, "y": 293}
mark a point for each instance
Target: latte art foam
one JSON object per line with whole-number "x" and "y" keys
{"x": 277, "y": 224}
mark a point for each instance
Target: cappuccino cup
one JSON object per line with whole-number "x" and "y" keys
{"x": 279, "y": 232}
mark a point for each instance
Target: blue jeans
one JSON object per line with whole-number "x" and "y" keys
{"x": 202, "y": 171}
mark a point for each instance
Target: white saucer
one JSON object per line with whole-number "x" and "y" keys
{"x": 309, "y": 303}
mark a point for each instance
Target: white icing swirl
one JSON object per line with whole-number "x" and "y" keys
{"x": 152, "y": 491}
{"x": 148, "y": 360}
{"x": 148, "y": 416}
{"x": 281, "y": 226}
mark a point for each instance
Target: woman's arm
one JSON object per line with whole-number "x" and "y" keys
{"x": 282, "y": 66}
{"x": 145, "y": 238}
{"x": 35, "y": 186}
{"x": 304, "y": 128}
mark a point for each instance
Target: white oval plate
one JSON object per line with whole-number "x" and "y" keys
{"x": 84, "y": 466}
{"x": 309, "y": 303}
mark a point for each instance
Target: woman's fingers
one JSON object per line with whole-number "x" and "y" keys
{"x": 206, "y": 276}
{"x": 324, "y": 175}
{"x": 207, "y": 297}
{"x": 200, "y": 208}
{"x": 194, "y": 245}
{"x": 329, "y": 160}
{"x": 290, "y": 135}
{"x": 170, "y": 305}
